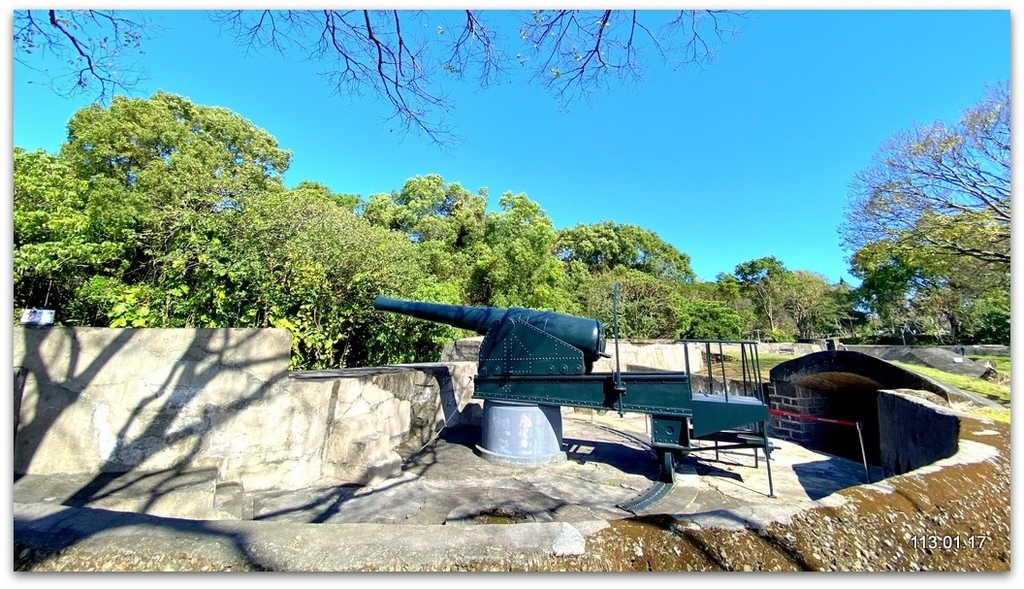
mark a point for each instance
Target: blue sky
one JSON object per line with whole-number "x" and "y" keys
{"x": 748, "y": 157}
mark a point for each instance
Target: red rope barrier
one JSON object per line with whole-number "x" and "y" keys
{"x": 781, "y": 413}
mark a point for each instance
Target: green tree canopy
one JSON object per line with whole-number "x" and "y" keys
{"x": 905, "y": 287}
{"x": 132, "y": 196}
{"x": 316, "y": 268}
{"x": 162, "y": 213}
{"x": 447, "y": 221}
{"x": 349, "y": 202}
{"x": 608, "y": 245}
{"x": 430, "y": 209}
{"x": 812, "y": 303}
{"x": 709, "y": 319}
{"x": 517, "y": 267}
{"x": 763, "y": 280}
{"x": 211, "y": 153}
{"x": 648, "y": 306}
{"x": 63, "y": 234}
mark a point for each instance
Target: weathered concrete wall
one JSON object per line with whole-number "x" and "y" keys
{"x": 636, "y": 356}
{"x": 794, "y": 348}
{"x": 968, "y": 350}
{"x": 914, "y": 432}
{"x": 810, "y": 368}
{"x": 980, "y": 349}
{"x": 940, "y": 358}
{"x": 904, "y": 423}
{"x": 699, "y": 383}
{"x": 114, "y": 400}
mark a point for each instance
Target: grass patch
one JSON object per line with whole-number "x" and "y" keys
{"x": 734, "y": 368}
{"x": 1000, "y": 363}
{"x": 997, "y": 392}
{"x": 769, "y": 361}
{"x": 992, "y": 413}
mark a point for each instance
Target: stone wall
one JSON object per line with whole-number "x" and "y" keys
{"x": 902, "y": 429}
{"x": 93, "y": 400}
{"x": 794, "y": 348}
{"x": 913, "y": 431}
{"x": 797, "y": 400}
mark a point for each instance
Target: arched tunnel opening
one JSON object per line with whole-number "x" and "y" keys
{"x": 829, "y": 405}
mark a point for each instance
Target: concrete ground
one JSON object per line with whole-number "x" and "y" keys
{"x": 448, "y": 509}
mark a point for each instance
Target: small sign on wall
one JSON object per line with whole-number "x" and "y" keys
{"x": 37, "y": 317}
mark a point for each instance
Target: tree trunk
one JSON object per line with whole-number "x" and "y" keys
{"x": 954, "y": 327}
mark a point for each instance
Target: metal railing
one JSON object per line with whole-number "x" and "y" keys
{"x": 750, "y": 366}
{"x": 856, "y": 424}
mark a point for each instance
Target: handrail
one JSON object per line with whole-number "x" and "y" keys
{"x": 856, "y": 424}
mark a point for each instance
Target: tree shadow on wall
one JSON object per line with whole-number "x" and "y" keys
{"x": 62, "y": 391}
{"x": 137, "y": 441}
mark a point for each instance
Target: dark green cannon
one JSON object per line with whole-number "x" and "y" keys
{"x": 537, "y": 361}
{"x": 582, "y": 333}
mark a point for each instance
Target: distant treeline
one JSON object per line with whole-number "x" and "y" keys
{"x": 162, "y": 213}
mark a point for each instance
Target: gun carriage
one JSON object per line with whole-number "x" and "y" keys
{"x": 543, "y": 360}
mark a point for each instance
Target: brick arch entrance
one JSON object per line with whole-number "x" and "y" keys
{"x": 818, "y": 397}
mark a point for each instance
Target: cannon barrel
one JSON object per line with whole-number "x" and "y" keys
{"x": 581, "y": 332}
{"x": 478, "y": 319}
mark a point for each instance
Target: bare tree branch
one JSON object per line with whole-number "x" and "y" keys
{"x": 579, "y": 53}
{"x": 90, "y": 48}
{"x": 403, "y": 57}
{"x": 475, "y": 48}
{"x": 362, "y": 51}
{"x": 946, "y": 188}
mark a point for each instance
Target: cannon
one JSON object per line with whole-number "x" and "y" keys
{"x": 536, "y": 361}
{"x": 584, "y": 336}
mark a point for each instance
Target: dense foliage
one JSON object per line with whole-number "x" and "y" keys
{"x": 162, "y": 213}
